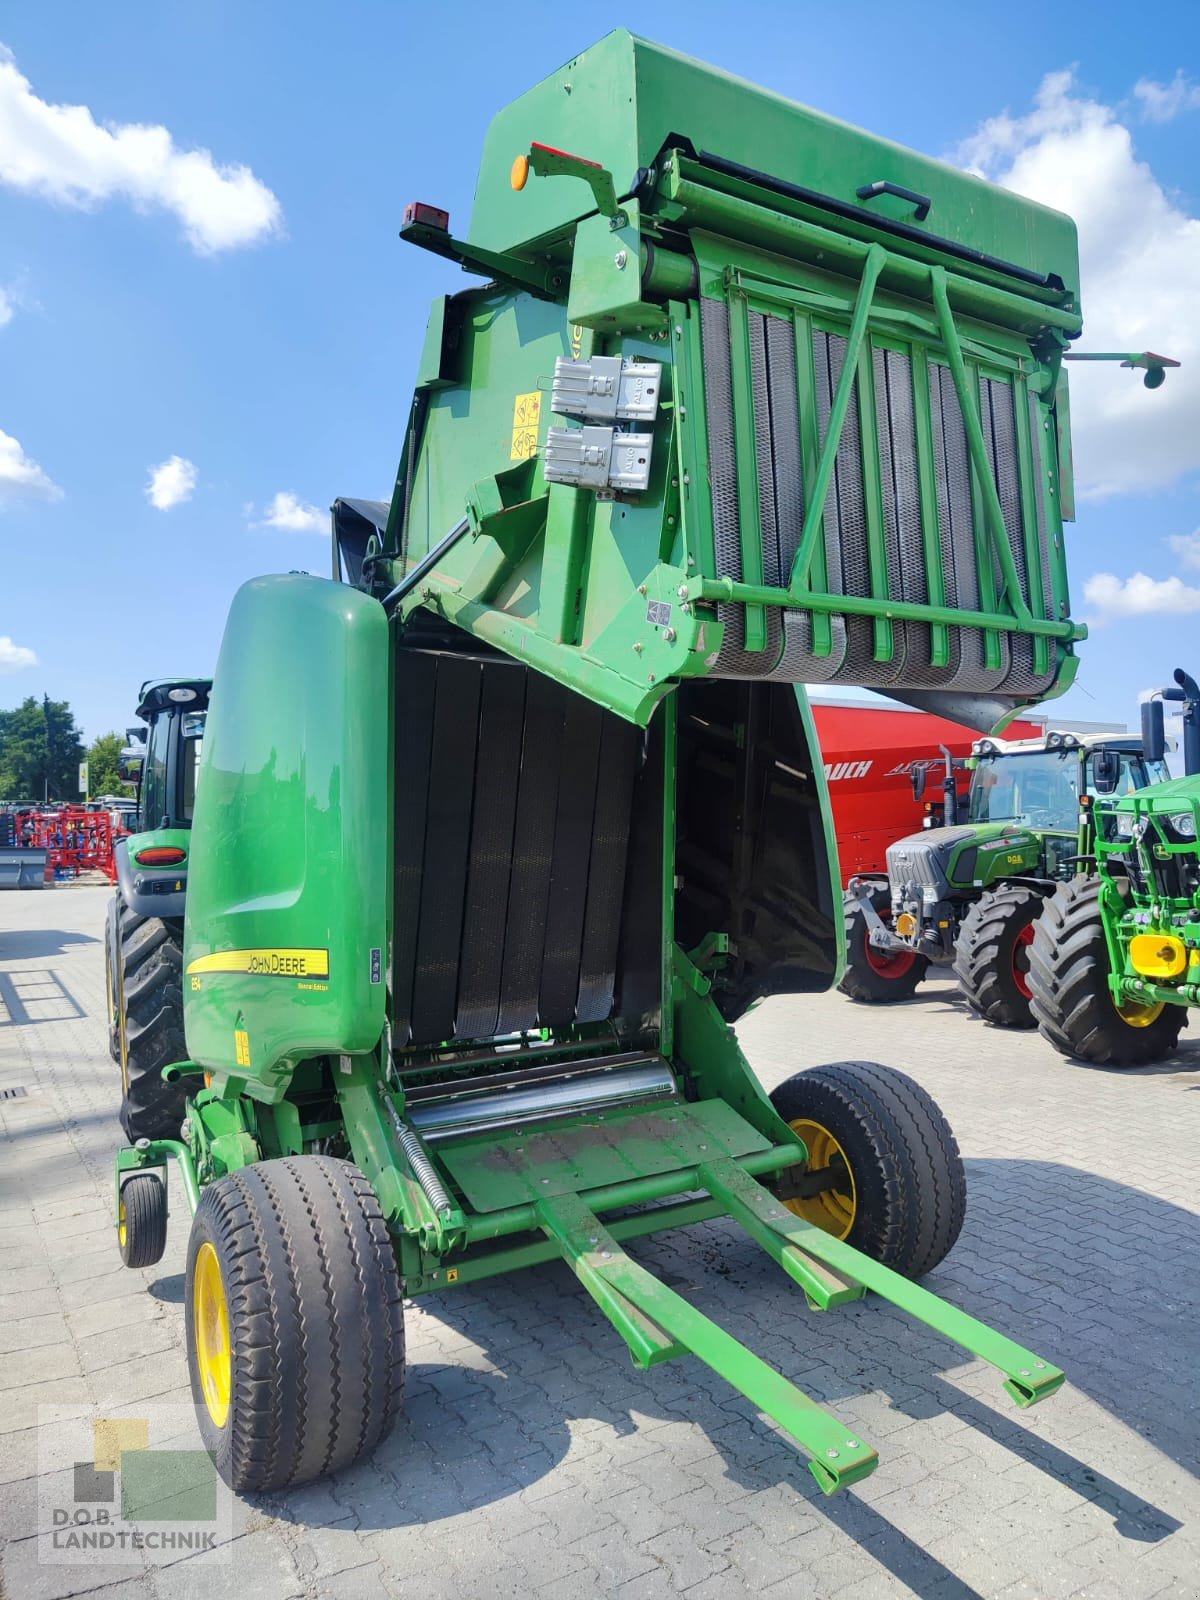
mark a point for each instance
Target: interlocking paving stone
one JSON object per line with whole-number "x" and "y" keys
{"x": 533, "y": 1461}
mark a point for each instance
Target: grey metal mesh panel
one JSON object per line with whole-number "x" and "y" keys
{"x": 896, "y": 425}
{"x": 844, "y": 505}
{"x": 733, "y": 660}
{"x": 998, "y": 415}
{"x": 1039, "y": 429}
{"x": 798, "y": 662}
{"x": 953, "y": 473}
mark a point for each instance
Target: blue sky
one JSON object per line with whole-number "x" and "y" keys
{"x": 266, "y": 329}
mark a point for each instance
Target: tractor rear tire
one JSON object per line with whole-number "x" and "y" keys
{"x": 1072, "y": 1003}
{"x": 904, "y": 1194}
{"x": 991, "y": 955}
{"x": 142, "y": 1220}
{"x": 150, "y": 1016}
{"x": 111, "y": 982}
{"x": 877, "y": 977}
{"x": 295, "y": 1321}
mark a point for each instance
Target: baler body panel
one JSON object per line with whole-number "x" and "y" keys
{"x": 285, "y": 932}
{"x": 625, "y": 99}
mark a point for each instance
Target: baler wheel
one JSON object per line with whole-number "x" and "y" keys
{"x": 894, "y": 1183}
{"x": 1072, "y": 1003}
{"x": 878, "y": 977}
{"x": 295, "y": 1321}
{"x": 991, "y": 956}
{"x": 142, "y": 1220}
{"x": 149, "y": 974}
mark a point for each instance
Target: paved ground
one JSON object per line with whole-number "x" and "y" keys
{"x": 534, "y": 1461}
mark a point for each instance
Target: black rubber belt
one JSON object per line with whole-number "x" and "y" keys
{"x": 502, "y": 714}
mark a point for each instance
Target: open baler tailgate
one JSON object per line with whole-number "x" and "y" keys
{"x": 777, "y": 434}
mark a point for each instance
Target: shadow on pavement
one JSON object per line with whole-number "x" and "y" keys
{"x": 29, "y": 944}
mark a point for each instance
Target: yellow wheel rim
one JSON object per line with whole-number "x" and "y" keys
{"x": 122, "y": 1229}
{"x": 1140, "y": 1016}
{"x": 833, "y": 1210}
{"x": 211, "y": 1315}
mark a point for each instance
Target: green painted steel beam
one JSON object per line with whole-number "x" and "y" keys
{"x": 658, "y": 1324}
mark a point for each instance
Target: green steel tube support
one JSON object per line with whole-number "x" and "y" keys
{"x": 856, "y": 605}
{"x": 1028, "y": 1378}
{"x": 745, "y": 441}
{"x": 658, "y": 1324}
{"x": 631, "y": 1192}
{"x": 813, "y": 517}
{"x": 156, "y": 1153}
{"x": 968, "y": 402}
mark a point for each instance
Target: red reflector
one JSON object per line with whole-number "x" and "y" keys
{"x": 159, "y": 855}
{"x": 430, "y": 216}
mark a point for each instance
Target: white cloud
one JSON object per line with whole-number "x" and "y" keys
{"x": 1161, "y": 102}
{"x": 62, "y": 153}
{"x": 21, "y": 476}
{"x": 171, "y": 482}
{"x": 14, "y": 657}
{"x": 287, "y": 512}
{"x": 1140, "y": 596}
{"x": 1186, "y": 546}
{"x": 6, "y": 307}
{"x": 1141, "y": 280}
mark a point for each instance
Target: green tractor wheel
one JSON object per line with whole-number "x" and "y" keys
{"x": 295, "y": 1321}
{"x": 1072, "y": 1003}
{"x": 991, "y": 954}
{"x": 878, "y": 977}
{"x": 146, "y": 976}
{"x": 893, "y": 1183}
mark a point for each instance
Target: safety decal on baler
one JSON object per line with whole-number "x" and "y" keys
{"x": 241, "y": 1046}
{"x": 265, "y": 963}
{"x": 527, "y": 413}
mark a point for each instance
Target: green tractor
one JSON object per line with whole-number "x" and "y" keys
{"x": 970, "y": 893}
{"x": 742, "y": 398}
{"x": 143, "y": 928}
{"x": 1115, "y": 959}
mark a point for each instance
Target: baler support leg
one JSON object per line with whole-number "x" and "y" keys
{"x": 658, "y": 1324}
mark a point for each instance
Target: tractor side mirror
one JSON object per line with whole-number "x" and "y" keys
{"x": 918, "y": 776}
{"x": 129, "y": 765}
{"x": 1106, "y": 769}
{"x": 1154, "y": 743}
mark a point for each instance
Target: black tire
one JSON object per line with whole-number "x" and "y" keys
{"x": 315, "y": 1320}
{"x": 1072, "y": 1003}
{"x": 905, "y": 1175}
{"x": 142, "y": 1220}
{"x": 150, "y": 1000}
{"x": 870, "y": 976}
{"x": 991, "y": 954}
{"x": 111, "y": 984}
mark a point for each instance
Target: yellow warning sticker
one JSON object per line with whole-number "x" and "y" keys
{"x": 265, "y": 963}
{"x": 241, "y": 1041}
{"x": 527, "y": 413}
{"x": 576, "y": 339}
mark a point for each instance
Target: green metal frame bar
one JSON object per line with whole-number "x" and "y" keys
{"x": 657, "y": 1324}
{"x": 813, "y": 516}
{"x": 155, "y": 1153}
{"x": 749, "y": 506}
{"x": 968, "y": 400}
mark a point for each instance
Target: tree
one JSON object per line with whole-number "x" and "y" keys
{"x": 40, "y": 751}
{"x": 104, "y": 775}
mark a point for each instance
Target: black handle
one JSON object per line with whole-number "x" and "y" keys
{"x": 872, "y": 191}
